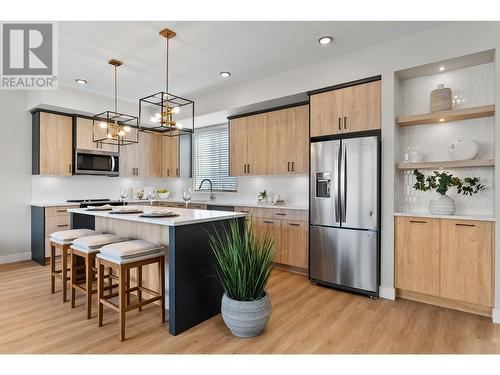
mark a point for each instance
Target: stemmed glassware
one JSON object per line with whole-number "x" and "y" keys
{"x": 186, "y": 196}
{"x": 151, "y": 195}
{"x": 123, "y": 193}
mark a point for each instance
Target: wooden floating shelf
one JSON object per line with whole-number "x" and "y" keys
{"x": 447, "y": 116}
{"x": 447, "y": 164}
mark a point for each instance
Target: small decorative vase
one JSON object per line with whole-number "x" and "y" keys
{"x": 441, "y": 99}
{"x": 442, "y": 205}
{"x": 246, "y": 318}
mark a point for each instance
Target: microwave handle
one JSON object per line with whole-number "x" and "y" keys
{"x": 112, "y": 164}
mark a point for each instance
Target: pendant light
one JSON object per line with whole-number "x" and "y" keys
{"x": 112, "y": 127}
{"x": 165, "y": 113}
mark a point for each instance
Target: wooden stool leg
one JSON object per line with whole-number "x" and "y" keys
{"x": 139, "y": 284}
{"x": 122, "y": 297}
{"x": 89, "y": 263}
{"x": 162, "y": 287}
{"x": 72, "y": 279}
{"x": 52, "y": 268}
{"x": 110, "y": 281}
{"x": 127, "y": 285}
{"x": 64, "y": 272}
{"x": 100, "y": 291}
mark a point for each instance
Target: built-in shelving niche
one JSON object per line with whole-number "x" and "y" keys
{"x": 471, "y": 78}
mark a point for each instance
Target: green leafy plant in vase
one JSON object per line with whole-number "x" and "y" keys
{"x": 442, "y": 182}
{"x": 244, "y": 261}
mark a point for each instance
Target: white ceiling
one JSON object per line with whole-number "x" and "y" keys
{"x": 249, "y": 50}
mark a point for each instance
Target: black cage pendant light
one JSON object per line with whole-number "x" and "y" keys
{"x": 112, "y": 127}
{"x": 165, "y": 113}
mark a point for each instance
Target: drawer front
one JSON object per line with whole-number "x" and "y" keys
{"x": 250, "y": 211}
{"x": 56, "y": 224}
{"x": 197, "y": 206}
{"x": 58, "y": 211}
{"x": 285, "y": 214}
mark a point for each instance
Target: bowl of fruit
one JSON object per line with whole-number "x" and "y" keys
{"x": 163, "y": 193}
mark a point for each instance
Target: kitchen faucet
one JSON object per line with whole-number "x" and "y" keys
{"x": 212, "y": 196}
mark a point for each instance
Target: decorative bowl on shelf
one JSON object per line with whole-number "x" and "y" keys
{"x": 464, "y": 150}
{"x": 163, "y": 195}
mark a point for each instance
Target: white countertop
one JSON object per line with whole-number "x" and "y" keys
{"x": 214, "y": 202}
{"x": 456, "y": 217}
{"x": 186, "y": 216}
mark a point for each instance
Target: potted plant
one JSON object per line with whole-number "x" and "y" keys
{"x": 163, "y": 193}
{"x": 442, "y": 182}
{"x": 244, "y": 261}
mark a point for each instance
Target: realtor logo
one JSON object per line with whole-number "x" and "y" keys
{"x": 28, "y": 56}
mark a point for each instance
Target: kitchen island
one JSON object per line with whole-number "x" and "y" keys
{"x": 193, "y": 291}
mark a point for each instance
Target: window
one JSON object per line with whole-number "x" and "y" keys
{"x": 211, "y": 158}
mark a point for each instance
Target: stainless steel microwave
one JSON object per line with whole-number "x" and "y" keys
{"x": 105, "y": 163}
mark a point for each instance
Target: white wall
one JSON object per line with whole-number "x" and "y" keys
{"x": 15, "y": 172}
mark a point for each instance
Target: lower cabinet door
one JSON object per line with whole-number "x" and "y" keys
{"x": 466, "y": 261}
{"x": 274, "y": 227}
{"x": 417, "y": 254}
{"x": 294, "y": 235}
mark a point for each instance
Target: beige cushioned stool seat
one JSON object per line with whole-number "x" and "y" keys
{"x": 129, "y": 251}
{"x": 92, "y": 244}
{"x": 66, "y": 237}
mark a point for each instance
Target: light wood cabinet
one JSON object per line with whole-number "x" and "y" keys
{"x": 351, "y": 109}
{"x": 466, "y": 261}
{"x": 170, "y": 157}
{"x": 85, "y": 137}
{"x": 128, "y": 159}
{"x": 53, "y": 140}
{"x": 445, "y": 262}
{"x": 143, "y": 159}
{"x": 57, "y": 218}
{"x": 272, "y": 143}
{"x": 294, "y": 243}
{"x": 417, "y": 254}
{"x": 273, "y": 226}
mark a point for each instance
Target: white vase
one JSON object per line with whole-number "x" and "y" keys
{"x": 464, "y": 150}
{"x": 442, "y": 205}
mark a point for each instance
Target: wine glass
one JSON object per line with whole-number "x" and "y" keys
{"x": 186, "y": 196}
{"x": 151, "y": 195}
{"x": 123, "y": 193}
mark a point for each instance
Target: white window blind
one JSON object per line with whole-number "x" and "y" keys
{"x": 211, "y": 158}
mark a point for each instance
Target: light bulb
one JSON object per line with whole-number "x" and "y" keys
{"x": 103, "y": 125}
{"x": 154, "y": 119}
{"x": 158, "y": 115}
{"x": 121, "y": 133}
{"x": 178, "y": 125}
{"x": 176, "y": 109}
{"x": 127, "y": 129}
{"x": 110, "y": 136}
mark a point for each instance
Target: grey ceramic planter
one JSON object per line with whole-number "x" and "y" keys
{"x": 246, "y": 318}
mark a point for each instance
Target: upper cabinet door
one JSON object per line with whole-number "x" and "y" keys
{"x": 361, "y": 107}
{"x": 85, "y": 136}
{"x": 300, "y": 139}
{"x": 153, "y": 156}
{"x": 170, "y": 156}
{"x": 466, "y": 261}
{"x": 56, "y": 145}
{"x": 326, "y": 113}
{"x": 128, "y": 162}
{"x": 238, "y": 146}
{"x": 257, "y": 144}
{"x": 280, "y": 148}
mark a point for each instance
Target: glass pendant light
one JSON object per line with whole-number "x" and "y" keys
{"x": 112, "y": 127}
{"x": 165, "y": 113}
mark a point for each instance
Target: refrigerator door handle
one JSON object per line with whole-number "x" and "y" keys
{"x": 336, "y": 192}
{"x": 343, "y": 184}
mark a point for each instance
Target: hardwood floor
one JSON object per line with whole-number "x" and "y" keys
{"x": 305, "y": 319}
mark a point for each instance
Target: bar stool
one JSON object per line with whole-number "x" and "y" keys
{"x": 87, "y": 248}
{"x": 123, "y": 257}
{"x": 62, "y": 241}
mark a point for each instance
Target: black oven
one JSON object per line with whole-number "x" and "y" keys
{"x": 94, "y": 162}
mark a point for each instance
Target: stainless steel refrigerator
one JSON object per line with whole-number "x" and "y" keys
{"x": 345, "y": 223}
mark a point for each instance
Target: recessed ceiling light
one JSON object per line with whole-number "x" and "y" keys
{"x": 81, "y": 81}
{"x": 225, "y": 74}
{"x": 441, "y": 68}
{"x": 325, "y": 40}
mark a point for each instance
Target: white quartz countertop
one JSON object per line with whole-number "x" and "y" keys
{"x": 186, "y": 216}
{"x": 214, "y": 202}
{"x": 456, "y": 217}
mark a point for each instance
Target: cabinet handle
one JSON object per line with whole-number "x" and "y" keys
{"x": 177, "y": 172}
{"x": 288, "y": 167}
{"x": 168, "y": 172}
{"x": 62, "y": 225}
{"x": 69, "y": 168}
{"x": 464, "y": 225}
{"x": 137, "y": 171}
{"x": 418, "y": 221}
{"x": 280, "y": 214}
{"x": 58, "y": 210}
{"x": 293, "y": 166}
{"x": 245, "y": 211}
{"x": 248, "y": 168}
{"x": 294, "y": 224}
{"x": 340, "y": 123}
{"x": 268, "y": 222}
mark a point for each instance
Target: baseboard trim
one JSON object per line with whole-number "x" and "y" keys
{"x": 495, "y": 314}
{"x": 12, "y": 258}
{"x": 387, "y": 293}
